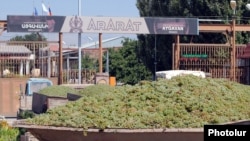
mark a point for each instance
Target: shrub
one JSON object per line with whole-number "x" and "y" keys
{"x": 7, "y": 133}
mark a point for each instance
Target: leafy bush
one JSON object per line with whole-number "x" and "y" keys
{"x": 26, "y": 114}
{"x": 8, "y": 133}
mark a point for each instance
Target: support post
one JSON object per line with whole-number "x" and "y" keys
{"x": 79, "y": 47}
{"x": 60, "y": 77}
{"x": 155, "y": 58}
{"x": 100, "y": 52}
{"x": 234, "y": 51}
{"x": 177, "y": 52}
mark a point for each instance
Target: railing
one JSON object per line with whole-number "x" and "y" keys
{"x": 71, "y": 76}
{"x": 213, "y": 59}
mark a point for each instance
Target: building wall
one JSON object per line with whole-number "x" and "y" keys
{"x": 10, "y": 90}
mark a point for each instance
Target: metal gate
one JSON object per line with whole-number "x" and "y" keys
{"x": 212, "y": 58}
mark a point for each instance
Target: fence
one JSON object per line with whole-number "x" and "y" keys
{"x": 214, "y": 59}
{"x": 37, "y": 59}
{"x": 19, "y": 58}
{"x": 71, "y": 76}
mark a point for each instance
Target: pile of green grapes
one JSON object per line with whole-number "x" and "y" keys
{"x": 57, "y": 90}
{"x": 182, "y": 102}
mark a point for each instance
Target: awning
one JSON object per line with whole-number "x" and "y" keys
{"x": 6, "y": 49}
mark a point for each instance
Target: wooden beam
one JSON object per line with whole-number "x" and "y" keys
{"x": 242, "y": 27}
{"x": 222, "y": 27}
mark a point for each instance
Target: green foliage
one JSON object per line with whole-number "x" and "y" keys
{"x": 8, "y": 133}
{"x": 29, "y": 37}
{"x": 26, "y": 114}
{"x": 57, "y": 90}
{"x": 89, "y": 63}
{"x": 202, "y": 9}
{"x": 125, "y": 65}
{"x": 182, "y": 102}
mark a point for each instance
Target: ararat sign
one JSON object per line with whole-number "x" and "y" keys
{"x": 71, "y": 24}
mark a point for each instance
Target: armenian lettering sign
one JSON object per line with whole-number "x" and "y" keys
{"x": 145, "y": 25}
{"x": 34, "y": 23}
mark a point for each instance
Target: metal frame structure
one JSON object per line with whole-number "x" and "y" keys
{"x": 215, "y": 28}
{"x": 214, "y": 59}
{"x": 219, "y": 28}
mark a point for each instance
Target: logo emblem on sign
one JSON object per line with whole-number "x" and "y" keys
{"x": 75, "y": 24}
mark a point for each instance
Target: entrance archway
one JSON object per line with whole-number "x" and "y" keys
{"x": 81, "y": 24}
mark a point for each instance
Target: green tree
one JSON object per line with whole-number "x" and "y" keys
{"x": 89, "y": 63}
{"x": 29, "y": 37}
{"x": 202, "y": 9}
{"x": 125, "y": 65}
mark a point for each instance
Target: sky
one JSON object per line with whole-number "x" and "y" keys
{"x": 106, "y": 8}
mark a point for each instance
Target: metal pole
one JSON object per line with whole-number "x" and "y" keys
{"x": 176, "y": 51}
{"x": 234, "y": 51}
{"x": 42, "y": 60}
{"x": 68, "y": 68}
{"x": 79, "y": 47}
{"x": 233, "y": 58}
{"x": 60, "y": 81}
{"x": 107, "y": 61}
{"x": 155, "y": 60}
{"x": 100, "y": 52}
{"x": 49, "y": 64}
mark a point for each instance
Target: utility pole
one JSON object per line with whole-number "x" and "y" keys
{"x": 233, "y": 58}
{"x": 79, "y": 48}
